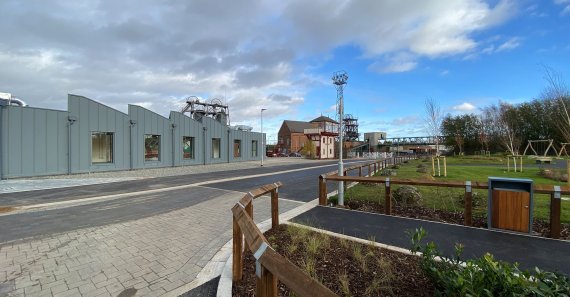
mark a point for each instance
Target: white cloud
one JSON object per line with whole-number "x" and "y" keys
{"x": 158, "y": 53}
{"x": 464, "y": 107}
{"x": 565, "y": 4}
{"x": 401, "y": 62}
{"x": 509, "y": 44}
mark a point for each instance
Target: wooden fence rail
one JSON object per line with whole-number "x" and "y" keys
{"x": 376, "y": 165}
{"x": 555, "y": 193}
{"x": 270, "y": 265}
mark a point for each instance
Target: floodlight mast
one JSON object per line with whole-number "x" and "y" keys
{"x": 339, "y": 79}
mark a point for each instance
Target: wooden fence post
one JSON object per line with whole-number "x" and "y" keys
{"x": 275, "y": 208}
{"x": 237, "y": 263}
{"x": 369, "y": 173}
{"x": 568, "y": 171}
{"x": 249, "y": 208}
{"x": 266, "y": 284}
{"x": 374, "y": 168}
{"x": 468, "y": 204}
{"x": 322, "y": 190}
{"x": 344, "y": 182}
{"x": 360, "y": 171}
{"x": 555, "y": 198}
{"x": 388, "y": 198}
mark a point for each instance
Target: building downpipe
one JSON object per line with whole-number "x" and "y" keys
{"x": 132, "y": 123}
{"x": 228, "y": 145}
{"x": 2, "y": 104}
{"x": 70, "y": 121}
{"x": 204, "y": 143}
{"x": 173, "y": 142}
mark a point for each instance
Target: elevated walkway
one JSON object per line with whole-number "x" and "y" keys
{"x": 528, "y": 251}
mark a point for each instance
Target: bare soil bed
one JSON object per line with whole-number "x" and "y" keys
{"x": 540, "y": 227}
{"x": 347, "y": 268}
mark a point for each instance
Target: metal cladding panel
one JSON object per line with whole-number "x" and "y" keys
{"x": 186, "y": 126}
{"x": 246, "y": 139}
{"x": 30, "y": 142}
{"x": 215, "y": 129}
{"x": 148, "y": 122}
{"x": 92, "y": 117}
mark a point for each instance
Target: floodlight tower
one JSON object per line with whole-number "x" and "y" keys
{"x": 339, "y": 79}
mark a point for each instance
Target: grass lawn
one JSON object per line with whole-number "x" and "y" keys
{"x": 451, "y": 198}
{"x": 493, "y": 159}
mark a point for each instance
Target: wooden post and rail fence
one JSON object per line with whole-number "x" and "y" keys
{"x": 555, "y": 193}
{"x": 375, "y": 165}
{"x": 270, "y": 265}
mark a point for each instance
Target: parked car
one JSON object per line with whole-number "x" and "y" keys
{"x": 282, "y": 155}
{"x": 271, "y": 154}
{"x": 294, "y": 155}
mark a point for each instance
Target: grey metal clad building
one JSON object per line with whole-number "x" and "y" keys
{"x": 92, "y": 137}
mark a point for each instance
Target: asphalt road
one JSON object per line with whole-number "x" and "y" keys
{"x": 301, "y": 184}
{"x": 79, "y": 192}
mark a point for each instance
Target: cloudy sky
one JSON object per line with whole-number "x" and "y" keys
{"x": 280, "y": 55}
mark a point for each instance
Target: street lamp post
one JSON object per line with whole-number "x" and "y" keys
{"x": 339, "y": 79}
{"x": 262, "y": 138}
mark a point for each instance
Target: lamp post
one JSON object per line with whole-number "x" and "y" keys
{"x": 262, "y": 138}
{"x": 339, "y": 79}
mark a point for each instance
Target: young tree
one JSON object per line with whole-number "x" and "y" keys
{"x": 505, "y": 119}
{"x": 557, "y": 90}
{"x": 433, "y": 120}
{"x": 309, "y": 149}
{"x": 461, "y": 131}
{"x": 485, "y": 129}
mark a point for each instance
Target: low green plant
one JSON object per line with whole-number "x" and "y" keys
{"x": 309, "y": 266}
{"x": 344, "y": 283}
{"x": 312, "y": 245}
{"x": 484, "y": 276}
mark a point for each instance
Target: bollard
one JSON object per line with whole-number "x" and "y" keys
{"x": 468, "y": 204}
{"x": 555, "y": 227}
{"x": 387, "y": 197}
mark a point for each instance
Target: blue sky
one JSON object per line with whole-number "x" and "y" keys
{"x": 257, "y": 54}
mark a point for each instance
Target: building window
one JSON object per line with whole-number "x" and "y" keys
{"x": 188, "y": 147}
{"x": 101, "y": 147}
{"x": 216, "y": 148}
{"x": 237, "y": 148}
{"x": 151, "y": 147}
{"x": 254, "y": 148}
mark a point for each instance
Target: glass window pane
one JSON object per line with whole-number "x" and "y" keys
{"x": 254, "y": 148}
{"x": 101, "y": 147}
{"x": 188, "y": 147}
{"x": 215, "y": 148}
{"x": 151, "y": 147}
{"x": 237, "y": 148}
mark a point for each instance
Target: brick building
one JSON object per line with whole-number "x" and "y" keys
{"x": 293, "y": 135}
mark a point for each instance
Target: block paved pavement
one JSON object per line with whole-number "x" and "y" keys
{"x": 145, "y": 257}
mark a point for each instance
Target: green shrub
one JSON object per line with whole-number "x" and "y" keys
{"x": 483, "y": 276}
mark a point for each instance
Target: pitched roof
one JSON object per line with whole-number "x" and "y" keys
{"x": 323, "y": 119}
{"x": 297, "y": 126}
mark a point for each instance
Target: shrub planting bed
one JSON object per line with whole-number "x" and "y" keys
{"x": 347, "y": 268}
{"x": 540, "y": 227}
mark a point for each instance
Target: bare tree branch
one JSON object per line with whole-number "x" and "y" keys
{"x": 433, "y": 120}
